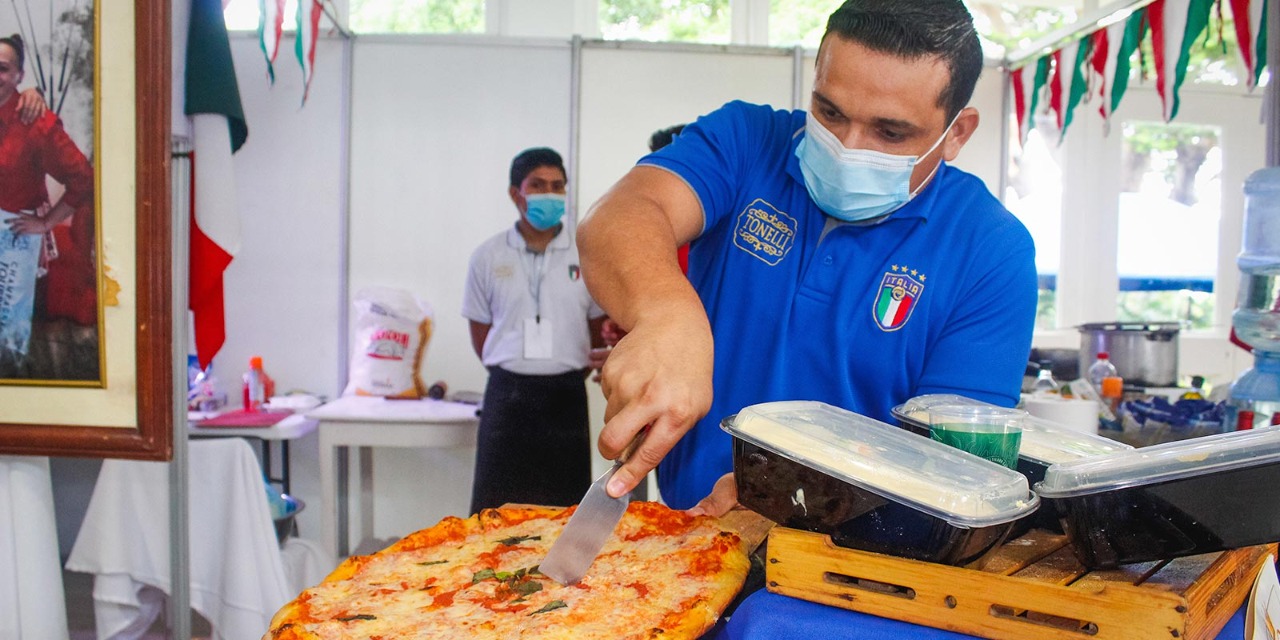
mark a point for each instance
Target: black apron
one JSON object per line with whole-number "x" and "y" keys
{"x": 533, "y": 446}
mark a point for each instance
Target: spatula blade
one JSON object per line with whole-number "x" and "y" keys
{"x": 586, "y": 532}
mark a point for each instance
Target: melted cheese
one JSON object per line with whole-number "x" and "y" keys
{"x": 430, "y": 593}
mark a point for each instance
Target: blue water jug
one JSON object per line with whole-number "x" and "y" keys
{"x": 1257, "y": 316}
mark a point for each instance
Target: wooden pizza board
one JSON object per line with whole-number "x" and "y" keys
{"x": 1029, "y": 589}
{"x": 752, "y": 527}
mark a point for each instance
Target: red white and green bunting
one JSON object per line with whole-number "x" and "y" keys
{"x": 1251, "y": 34}
{"x": 270, "y": 26}
{"x": 1068, "y": 85}
{"x": 309, "y": 12}
{"x": 1113, "y": 48}
{"x": 1028, "y": 90}
{"x": 1175, "y": 26}
{"x": 1099, "y": 64}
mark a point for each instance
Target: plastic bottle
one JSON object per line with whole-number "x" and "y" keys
{"x": 1112, "y": 394}
{"x": 1044, "y": 380}
{"x": 258, "y": 386}
{"x": 1255, "y": 321}
{"x": 1101, "y": 368}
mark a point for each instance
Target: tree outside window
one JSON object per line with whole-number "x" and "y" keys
{"x": 670, "y": 20}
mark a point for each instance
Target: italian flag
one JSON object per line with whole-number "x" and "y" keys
{"x": 1175, "y": 26}
{"x": 1113, "y": 49}
{"x": 1028, "y": 90}
{"x": 1251, "y": 32}
{"x": 1068, "y": 84}
{"x": 218, "y": 130}
{"x": 309, "y": 12}
{"x": 892, "y": 311}
{"x": 270, "y": 26}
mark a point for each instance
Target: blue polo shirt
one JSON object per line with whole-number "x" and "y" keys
{"x": 939, "y": 297}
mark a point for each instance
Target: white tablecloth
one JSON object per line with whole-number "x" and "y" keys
{"x": 238, "y": 579}
{"x": 31, "y": 595}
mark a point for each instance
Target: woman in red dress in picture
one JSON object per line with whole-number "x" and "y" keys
{"x": 64, "y": 342}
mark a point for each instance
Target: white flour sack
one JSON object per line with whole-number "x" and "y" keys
{"x": 392, "y": 329}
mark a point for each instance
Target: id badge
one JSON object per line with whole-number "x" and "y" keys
{"x": 537, "y": 339}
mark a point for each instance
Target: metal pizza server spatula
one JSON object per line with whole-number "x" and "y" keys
{"x": 589, "y": 527}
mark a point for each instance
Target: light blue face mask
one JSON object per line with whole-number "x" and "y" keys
{"x": 544, "y": 210}
{"x": 856, "y": 184}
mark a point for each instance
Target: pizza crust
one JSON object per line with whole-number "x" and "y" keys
{"x": 477, "y": 578}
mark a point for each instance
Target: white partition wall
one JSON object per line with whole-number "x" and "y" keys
{"x": 435, "y": 124}
{"x": 628, "y": 92}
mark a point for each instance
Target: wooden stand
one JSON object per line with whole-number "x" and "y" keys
{"x": 1030, "y": 588}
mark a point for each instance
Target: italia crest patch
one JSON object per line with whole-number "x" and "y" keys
{"x": 897, "y": 296}
{"x": 574, "y": 272}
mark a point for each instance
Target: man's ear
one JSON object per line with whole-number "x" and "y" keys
{"x": 515, "y": 197}
{"x": 966, "y": 123}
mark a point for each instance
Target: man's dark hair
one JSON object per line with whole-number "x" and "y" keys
{"x": 531, "y": 159}
{"x": 913, "y": 29}
{"x": 663, "y": 137}
{"x": 15, "y": 42}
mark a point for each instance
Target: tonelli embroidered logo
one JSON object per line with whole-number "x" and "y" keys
{"x": 765, "y": 232}
{"x": 899, "y": 291}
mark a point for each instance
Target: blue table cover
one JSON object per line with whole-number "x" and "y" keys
{"x": 769, "y": 616}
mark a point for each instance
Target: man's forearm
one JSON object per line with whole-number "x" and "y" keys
{"x": 628, "y": 251}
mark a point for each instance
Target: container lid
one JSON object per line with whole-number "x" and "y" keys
{"x": 1043, "y": 442}
{"x": 1162, "y": 463}
{"x": 961, "y": 489}
{"x": 1141, "y": 327}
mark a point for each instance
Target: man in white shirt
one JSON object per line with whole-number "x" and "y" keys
{"x": 532, "y": 325}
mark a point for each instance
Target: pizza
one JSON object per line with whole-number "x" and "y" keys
{"x": 663, "y": 574}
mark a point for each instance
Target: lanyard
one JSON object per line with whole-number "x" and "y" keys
{"x": 535, "y": 273}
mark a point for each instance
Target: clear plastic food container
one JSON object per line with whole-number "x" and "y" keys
{"x": 1043, "y": 442}
{"x": 1170, "y": 500}
{"x": 870, "y": 486}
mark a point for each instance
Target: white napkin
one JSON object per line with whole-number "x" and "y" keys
{"x": 31, "y": 594}
{"x": 237, "y": 573}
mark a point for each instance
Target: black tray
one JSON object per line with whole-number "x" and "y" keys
{"x": 1183, "y": 517}
{"x": 771, "y": 484}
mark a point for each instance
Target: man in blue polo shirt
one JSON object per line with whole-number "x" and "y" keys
{"x": 836, "y": 256}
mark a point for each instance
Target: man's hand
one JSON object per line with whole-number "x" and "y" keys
{"x": 611, "y": 332}
{"x": 31, "y": 106}
{"x": 659, "y": 375}
{"x": 723, "y": 498}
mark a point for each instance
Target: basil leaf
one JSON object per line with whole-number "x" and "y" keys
{"x": 427, "y": 564}
{"x": 483, "y": 574}
{"x": 502, "y": 575}
{"x": 362, "y": 616}
{"x": 515, "y": 540}
{"x": 550, "y": 606}
{"x": 527, "y": 588}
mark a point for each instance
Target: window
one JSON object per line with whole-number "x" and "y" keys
{"x": 798, "y": 22}
{"x": 1034, "y": 195}
{"x": 242, "y": 15}
{"x": 417, "y": 16}
{"x": 1170, "y": 204}
{"x": 675, "y": 20}
{"x": 378, "y": 16}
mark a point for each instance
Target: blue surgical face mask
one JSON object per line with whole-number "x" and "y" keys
{"x": 856, "y": 184}
{"x": 544, "y": 210}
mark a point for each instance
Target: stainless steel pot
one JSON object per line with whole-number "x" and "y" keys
{"x": 1144, "y": 353}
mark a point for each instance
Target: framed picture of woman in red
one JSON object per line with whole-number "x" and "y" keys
{"x": 50, "y": 272}
{"x": 86, "y": 242}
